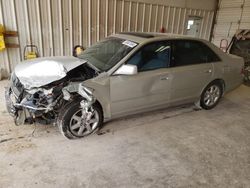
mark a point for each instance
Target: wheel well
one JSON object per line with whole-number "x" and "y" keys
{"x": 77, "y": 96}
{"x": 99, "y": 104}
{"x": 222, "y": 83}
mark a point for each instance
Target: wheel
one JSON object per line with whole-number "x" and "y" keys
{"x": 211, "y": 95}
{"x": 74, "y": 122}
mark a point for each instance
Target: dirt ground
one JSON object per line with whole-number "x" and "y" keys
{"x": 177, "y": 147}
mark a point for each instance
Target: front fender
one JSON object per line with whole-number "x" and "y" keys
{"x": 100, "y": 92}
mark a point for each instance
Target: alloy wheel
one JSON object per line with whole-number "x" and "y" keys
{"x": 212, "y": 95}
{"x": 83, "y": 123}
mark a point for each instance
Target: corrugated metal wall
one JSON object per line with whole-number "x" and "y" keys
{"x": 55, "y": 26}
{"x": 231, "y": 16}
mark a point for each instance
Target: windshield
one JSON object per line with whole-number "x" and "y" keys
{"x": 107, "y": 53}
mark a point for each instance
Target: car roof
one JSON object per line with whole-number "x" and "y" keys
{"x": 142, "y": 37}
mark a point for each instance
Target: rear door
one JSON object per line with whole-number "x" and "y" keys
{"x": 149, "y": 88}
{"x": 191, "y": 69}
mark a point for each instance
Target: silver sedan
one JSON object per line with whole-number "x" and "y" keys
{"x": 124, "y": 74}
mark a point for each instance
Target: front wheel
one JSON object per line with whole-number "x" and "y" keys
{"x": 211, "y": 95}
{"x": 74, "y": 122}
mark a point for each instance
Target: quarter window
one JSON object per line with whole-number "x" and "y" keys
{"x": 185, "y": 52}
{"x": 152, "y": 56}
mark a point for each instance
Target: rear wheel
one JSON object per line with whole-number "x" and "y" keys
{"x": 211, "y": 95}
{"x": 74, "y": 122}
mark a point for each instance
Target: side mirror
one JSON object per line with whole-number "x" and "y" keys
{"x": 126, "y": 70}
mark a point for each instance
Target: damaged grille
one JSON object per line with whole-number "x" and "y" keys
{"x": 17, "y": 87}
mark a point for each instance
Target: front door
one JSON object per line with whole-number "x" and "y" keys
{"x": 149, "y": 88}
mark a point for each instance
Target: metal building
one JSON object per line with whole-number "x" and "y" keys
{"x": 56, "y": 26}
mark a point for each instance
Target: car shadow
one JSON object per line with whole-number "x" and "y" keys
{"x": 141, "y": 119}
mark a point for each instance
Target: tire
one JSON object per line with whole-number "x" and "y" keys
{"x": 211, "y": 95}
{"x": 70, "y": 120}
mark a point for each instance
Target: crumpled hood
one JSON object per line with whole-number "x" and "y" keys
{"x": 42, "y": 71}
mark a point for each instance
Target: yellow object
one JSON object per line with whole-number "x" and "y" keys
{"x": 31, "y": 55}
{"x": 2, "y": 29}
{"x": 79, "y": 50}
{"x": 30, "y": 52}
{"x": 2, "y": 43}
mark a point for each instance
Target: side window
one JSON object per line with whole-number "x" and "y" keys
{"x": 152, "y": 56}
{"x": 210, "y": 54}
{"x": 187, "y": 52}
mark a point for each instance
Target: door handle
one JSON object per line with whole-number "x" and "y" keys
{"x": 208, "y": 71}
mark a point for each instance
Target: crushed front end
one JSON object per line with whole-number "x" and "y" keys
{"x": 39, "y": 103}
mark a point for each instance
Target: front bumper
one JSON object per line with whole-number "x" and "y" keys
{"x": 9, "y": 100}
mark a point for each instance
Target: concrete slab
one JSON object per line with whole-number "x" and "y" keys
{"x": 176, "y": 147}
